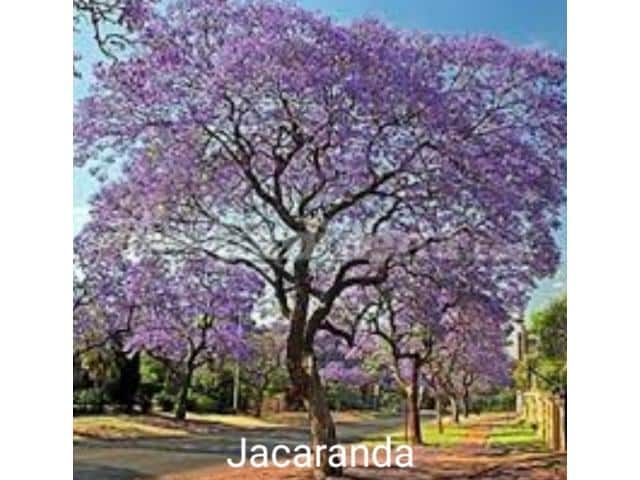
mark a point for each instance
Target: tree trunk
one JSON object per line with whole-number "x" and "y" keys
{"x": 259, "y": 400}
{"x": 376, "y": 396}
{"x": 414, "y": 432}
{"x": 303, "y": 369}
{"x": 236, "y": 386}
{"x": 323, "y": 430}
{"x": 181, "y": 405}
{"x": 306, "y": 383}
{"x": 455, "y": 412}
{"x": 128, "y": 380}
{"x": 439, "y": 415}
{"x": 412, "y": 393}
{"x": 465, "y": 404}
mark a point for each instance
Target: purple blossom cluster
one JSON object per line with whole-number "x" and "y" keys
{"x": 195, "y": 307}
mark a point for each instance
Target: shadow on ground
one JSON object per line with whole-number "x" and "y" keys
{"x": 105, "y": 472}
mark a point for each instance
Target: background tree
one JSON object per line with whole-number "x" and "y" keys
{"x": 266, "y": 362}
{"x": 195, "y": 314}
{"x": 108, "y": 300}
{"x": 471, "y": 351}
{"x": 549, "y": 357}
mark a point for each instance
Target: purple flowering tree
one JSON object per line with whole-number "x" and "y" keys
{"x": 359, "y": 365}
{"x": 418, "y": 313}
{"x": 183, "y": 314}
{"x": 470, "y": 351}
{"x": 322, "y": 156}
{"x": 195, "y": 313}
{"x": 266, "y": 359}
{"x": 109, "y": 291}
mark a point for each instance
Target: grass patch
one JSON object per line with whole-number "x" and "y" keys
{"x": 451, "y": 436}
{"x": 120, "y": 426}
{"x": 240, "y": 421}
{"x": 515, "y": 434}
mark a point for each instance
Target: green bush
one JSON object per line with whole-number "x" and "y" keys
{"x": 88, "y": 401}
{"x": 200, "y": 403}
{"x": 341, "y": 397}
{"x": 498, "y": 402}
{"x": 164, "y": 401}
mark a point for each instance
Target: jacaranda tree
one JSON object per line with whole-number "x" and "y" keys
{"x": 322, "y": 156}
{"x": 109, "y": 293}
{"x": 470, "y": 350}
{"x": 182, "y": 313}
{"x": 195, "y": 313}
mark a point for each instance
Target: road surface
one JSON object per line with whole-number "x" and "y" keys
{"x": 150, "y": 458}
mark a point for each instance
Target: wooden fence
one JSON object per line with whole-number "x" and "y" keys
{"x": 548, "y": 413}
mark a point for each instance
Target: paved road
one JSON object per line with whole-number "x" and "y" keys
{"x": 148, "y": 458}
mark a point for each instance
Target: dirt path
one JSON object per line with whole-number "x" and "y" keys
{"x": 472, "y": 459}
{"x": 475, "y": 459}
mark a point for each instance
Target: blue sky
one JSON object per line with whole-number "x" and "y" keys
{"x": 540, "y": 23}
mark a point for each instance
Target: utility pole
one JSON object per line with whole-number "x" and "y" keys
{"x": 236, "y": 377}
{"x": 236, "y": 385}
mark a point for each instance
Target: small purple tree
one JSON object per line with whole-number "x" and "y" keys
{"x": 181, "y": 313}
{"x": 471, "y": 349}
{"x": 195, "y": 313}
{"x": 267, "y": 352}
{"x": 107, "y": 302}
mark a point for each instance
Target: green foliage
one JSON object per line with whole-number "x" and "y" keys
{"x": 211, "y": 390}
{"x": 390, "y": 401}
{"x": 279, "y": 382}
{"x": 550, "y": 327}
{"x": 152, "y": 371}
{"x": 343, "y": 397}
{"x": 548, "y": 361}
{"x": 88, "y": 401}
{"x": 220, "y": 388}
{"x": 504, "y": 400}
{"x": 555, "y": 371}
{"x": 200, "y": 403}
{"x": 164, "y": 401}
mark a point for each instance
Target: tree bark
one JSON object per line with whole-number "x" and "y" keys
{"x": 414, "y": 431}
{"x": 412, "y": 393}
{"x": 181, "y": 405}
{"x": 439, "y": 415}
{"x": 128, "y": 380}
{"x": 323, "y": 430}
{"x": 303, "y": 370}
{"x": 465, "y": 404}
{"x": 455, "y": 412}
{"x": 236, "y": 386}
{"x": 376, "y": 397}
{"x": 259, "y": 400}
